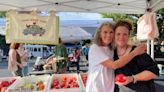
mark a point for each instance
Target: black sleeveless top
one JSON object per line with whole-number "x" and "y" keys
{"x": 135, "y": 66}
{"x": 18, "y": 60}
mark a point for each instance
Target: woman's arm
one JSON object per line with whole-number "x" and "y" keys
{"x": 14, "y": 59}
{"x": 125, "y": 59}
{"x": 142, "y": 76}
{"x": 50, "y": 58}
{"x": 148, "y": 67}
{"x": 148, "y": 70}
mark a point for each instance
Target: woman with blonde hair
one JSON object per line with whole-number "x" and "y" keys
{"x": 14, "y": 63}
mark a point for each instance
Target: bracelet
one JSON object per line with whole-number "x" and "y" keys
{"x": 134, "y": 79}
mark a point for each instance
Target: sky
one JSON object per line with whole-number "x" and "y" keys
{"x": 79, "y": 16}
{"x": 81, "y": 19}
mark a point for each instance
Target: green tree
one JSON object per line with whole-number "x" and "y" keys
{"x": 3, "y": 45}
{"x": 2, "y": 14}
{"x": 160, "y": 22}
{"x": 114, "y": 16}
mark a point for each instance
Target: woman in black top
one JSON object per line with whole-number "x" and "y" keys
{"x": 141, "y": 71}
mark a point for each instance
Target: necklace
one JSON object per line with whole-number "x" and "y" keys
{"x": 124, "y": 51}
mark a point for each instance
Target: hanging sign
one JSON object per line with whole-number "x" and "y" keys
{"x": 32, "y": 28}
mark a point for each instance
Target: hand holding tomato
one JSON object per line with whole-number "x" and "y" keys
{"x": 120, "y": 78}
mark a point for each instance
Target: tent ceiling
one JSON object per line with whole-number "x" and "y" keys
{"x": 114, "y": 6}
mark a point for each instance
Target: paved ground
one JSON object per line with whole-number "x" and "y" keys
{"x": 3, "y": 69}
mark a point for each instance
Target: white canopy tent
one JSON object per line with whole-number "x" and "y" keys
{"x": 99, "y": 6}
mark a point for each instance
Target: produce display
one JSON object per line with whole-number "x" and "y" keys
{"x": 65, "y": 82}
{"x": 45, "y": 83}
{"x": 40, "y": 85}
{"x": 35, "y": 86}
{"x": 6, "y": 82}
{"x": 120, "y": 78}
{"x": 31, "y": 83}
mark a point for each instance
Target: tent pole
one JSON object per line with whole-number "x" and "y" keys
{"x": 148, "y": 47}
{"x": 152, "y": 49}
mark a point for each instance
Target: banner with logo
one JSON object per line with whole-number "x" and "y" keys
{"x": 32, "y": 28}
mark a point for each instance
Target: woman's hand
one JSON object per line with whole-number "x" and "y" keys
{"x": 128, "y": 79}
{"x": 140, "y": 49}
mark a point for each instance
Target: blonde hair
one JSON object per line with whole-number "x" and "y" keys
{"x": 97, "y": 37}
{"x": 14, "y": 45}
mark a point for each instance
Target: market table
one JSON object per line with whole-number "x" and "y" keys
{"x": 41, "y": 72}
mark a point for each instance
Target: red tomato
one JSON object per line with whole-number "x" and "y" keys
{"x": 5, "y": 83}
{"x": 64, "y": 79}
{"x": 120, "y": 78}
